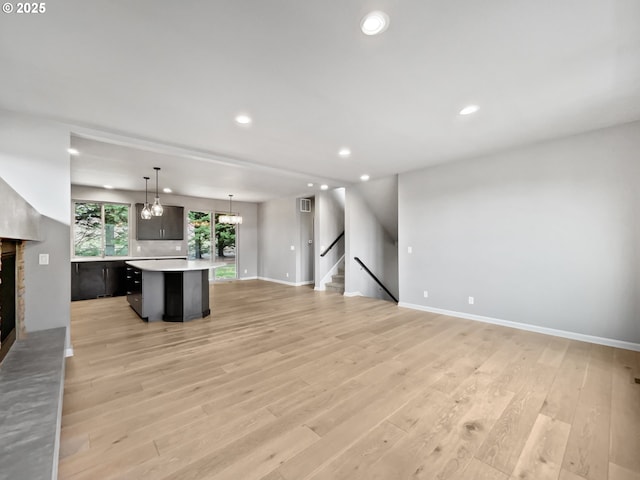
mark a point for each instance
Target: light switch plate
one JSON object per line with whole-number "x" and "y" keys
{"x": 43, "y": 259}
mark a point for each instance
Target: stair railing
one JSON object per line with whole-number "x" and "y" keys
{"x": 333, "y": 244}
{"x": 375, "y": 278}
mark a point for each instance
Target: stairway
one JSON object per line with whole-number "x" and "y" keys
{"x": 337, "y": 282}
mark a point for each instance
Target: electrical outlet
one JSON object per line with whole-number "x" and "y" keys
{"x": 245, "y": 270}
{"x": 426, "y": 294}
{"x": 43, "y": 259}
{"x": 178, "y": 248}
{"x": 293, "y": 247}
{"x": 471, "y": 300}
{"x": 138, "y": 248}
{"x": 286, "y": 274}
{"x": 409, "y": 249}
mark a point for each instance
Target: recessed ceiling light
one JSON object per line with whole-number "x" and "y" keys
{"x": 364, "y": 177}
{"x": 324, "y": 187}
{"x": 374, "y": 23}
{"x": 167, "y": 190}
{"x": 309, "y": 184}
{"x": 243, "y": 119}
{"x": 344, "y": 152}
{"x": 73, "y": 151}
{"x": 108, "y": 187}
{"x": 469, "y": 109}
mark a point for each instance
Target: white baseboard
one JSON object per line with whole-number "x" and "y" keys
{"x": 528, "y": 327}
{"x": 213, "y": 281}
{"x": 291, "y": 284}
{"x": 353, "y": 294}
{"x": 68, "y": 352}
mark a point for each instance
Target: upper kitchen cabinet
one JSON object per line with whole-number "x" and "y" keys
{"x": 169, "y": 226}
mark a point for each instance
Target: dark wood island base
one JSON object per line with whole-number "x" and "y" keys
{"x": 170, "y": 290}
{"x": 186, "y": 295}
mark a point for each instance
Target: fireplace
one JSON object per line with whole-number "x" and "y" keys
{"x": 19, "y": 222}
{"x": 10, "y": 250}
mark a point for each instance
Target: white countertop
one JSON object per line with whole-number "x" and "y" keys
{"x": 174, "y": 265}
{"x": 115, "y": 259}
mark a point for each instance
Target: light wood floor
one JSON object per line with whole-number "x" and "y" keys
{"x": 284, "y": 383}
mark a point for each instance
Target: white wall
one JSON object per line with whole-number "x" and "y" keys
{"x": 246, "y": 236}
{"x": 34, "y": 161}
{"x": 278, "y": 224}
{"x": 306, "y": 245}
{"x": 367, "y": 239}
{"x": 547, "y": 236}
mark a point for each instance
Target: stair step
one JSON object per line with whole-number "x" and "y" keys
{"x": 339, "y": 278}
{"x": 334, "y": 287}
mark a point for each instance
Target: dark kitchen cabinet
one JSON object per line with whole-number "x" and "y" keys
{"x": 98, "y": 279}
{"x": 169, "y": 226}
{"x": 134, "y": 289}
{"x": 144, "y": 293}
{"x": 148, "y": 229}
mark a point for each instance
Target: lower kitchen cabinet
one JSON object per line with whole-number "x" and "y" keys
{"x": 144, "y": 293}
{"x": 98, "y": 279}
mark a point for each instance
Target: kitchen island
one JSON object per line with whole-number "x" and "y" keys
{"x": 169, "y": 290}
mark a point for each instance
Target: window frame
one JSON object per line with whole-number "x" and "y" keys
{"x": 102, "y": 236}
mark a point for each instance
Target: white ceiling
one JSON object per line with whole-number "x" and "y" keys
{"x": 186, "y": 173}
{"x": 176, "y": 74}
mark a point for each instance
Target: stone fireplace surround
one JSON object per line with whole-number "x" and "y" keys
{"x": 19, "y": 333}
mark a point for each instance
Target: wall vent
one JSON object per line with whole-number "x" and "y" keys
{"x": 305, "y": 205}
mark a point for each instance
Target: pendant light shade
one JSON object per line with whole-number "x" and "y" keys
{"x": 156, "y": 208}
{"x": 230, "y": 219}
{"x": 146, "y": 211}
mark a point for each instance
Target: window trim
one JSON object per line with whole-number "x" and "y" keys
{"x": 102, "y": 244}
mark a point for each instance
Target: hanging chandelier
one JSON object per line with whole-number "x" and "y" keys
{"x": 230, "y": 219}
{"x": 146, "y": 210}
{"x": 156, "y": 208}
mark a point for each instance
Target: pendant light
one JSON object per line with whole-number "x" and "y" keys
{"x": 146, "y": 211}
{"x": 156, "y": 208}
{"x": 230, "y": 219}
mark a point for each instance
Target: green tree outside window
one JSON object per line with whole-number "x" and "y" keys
{"x": 101, "y": 229}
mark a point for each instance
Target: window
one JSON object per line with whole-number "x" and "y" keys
{"x": 199, "y": 235}
{"x": 101, "y": 229}
{"x": 225, "y": 250}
